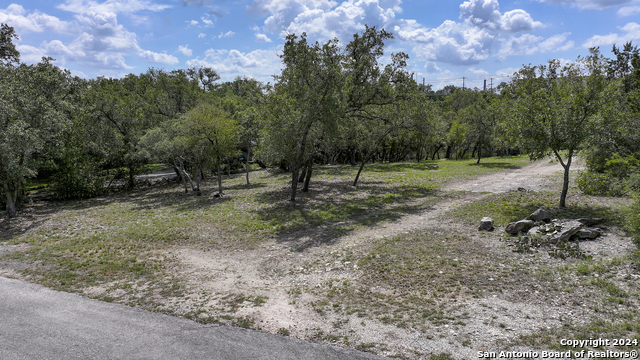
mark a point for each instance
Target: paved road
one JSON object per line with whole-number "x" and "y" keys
{"x": 38, "y": 323}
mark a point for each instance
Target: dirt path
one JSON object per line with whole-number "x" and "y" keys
{"x": 534, "y": 177}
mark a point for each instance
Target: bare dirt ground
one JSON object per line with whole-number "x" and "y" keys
{"x": 279, "y": 272}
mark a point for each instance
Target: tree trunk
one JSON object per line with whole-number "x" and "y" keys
{"x": 246, "y": 166}
{"x": 565, "y": 182}
{"x": 307, "y": 178}
{"x": 479, "y": 152}
{"x": 303, "y": 173}
{"x": 447, "y": 154}
{"x": 437, "y": 152}
{"x": 180, "y": 176}
{"x": 131, "y": 177}
{"x": 294, "y": 183}
{"x": 364, "y": 161}
{"x": 219, "y": 178}
{"x": 199, "y": 170}
{"x": 11, "y": 200}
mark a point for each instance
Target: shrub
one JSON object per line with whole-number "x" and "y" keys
{"x": 74, "y": 181}
{"x": 591, "y": 183}
{"x": 621, "y": 167}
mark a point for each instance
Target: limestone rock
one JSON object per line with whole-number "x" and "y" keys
{"x": 591, "y": 221}
{"x": 588, "y": 233}
{"x": 566, "y": 230}
{"x": 519, "y": 226}
{"x": 486, "y": 223}
{"x": 540, "y": 215}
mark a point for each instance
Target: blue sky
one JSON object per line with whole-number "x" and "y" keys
{"x": 445, "y": 40}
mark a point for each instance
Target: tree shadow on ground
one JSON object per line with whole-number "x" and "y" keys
{"x": 402, "y": 166}
{"x": 331, "y": 210}
{"x": 497, "y": 165}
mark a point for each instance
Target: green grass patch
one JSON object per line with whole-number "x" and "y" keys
{"x": 516, "y": 205}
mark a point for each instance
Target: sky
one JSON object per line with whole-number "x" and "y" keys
{"x": 446, "y": 40}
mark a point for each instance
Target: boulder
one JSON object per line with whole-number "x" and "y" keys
{"x": 486, "y": 223}
{"x": 565, "y": 231}
{"x": 591, "y": 221}
{"x": 540, "y": 215}
{"x": 588, "y": 233}
{"x": 519, "y": 226}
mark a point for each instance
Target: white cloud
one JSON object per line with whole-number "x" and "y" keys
{"x": 193, "y": 23}
{"x": 158, "y": 58}
{"x": 475, "y": 71}
{"x": 201, "y": 35}
{"x": 185, "y": 50}
{"x": 111, "y": 60}
{"x": 486, "y": 14}
{"x": 556, "y": 43}
{"x": 527, "y": 44}
{"x": 484, "y": 29}
{"x": 262, "y": 38}
{"x": 207, "y": 22}
{"x": 631, "y": 33}
{"x": 227, "y": 34}
{"x": 431, "y": 67}
{"x": 589, "y": 4}
{"x": 17, "y": 17}
{"x": 30, "y": 54}
{"x": 260, "y": 64}
{"x": 113, "y": 6}
{"x": 323, "y": 18}
{"x": 451, "y": 42}
{"x": 56, "y": 47}
{"x": 628, "y": 11}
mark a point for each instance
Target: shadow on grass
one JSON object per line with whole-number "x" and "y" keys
{"x": 403, "y": 166}
{"x": 331, "y": 210}
{"x": 497, "y": 165}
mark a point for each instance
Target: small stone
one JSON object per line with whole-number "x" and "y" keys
{"x": 486, "y": 223}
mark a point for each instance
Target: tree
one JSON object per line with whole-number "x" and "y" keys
{"x": 8, "y": 52}
{"x": 122, "y": 110}
{"x": 304, "y": 104}
{"x": 479, "y": 119}
{"x": 242, "y": 98}
{"x": 204, "y": 77}
{"x": 34, "y": 103}
{"x": 210, "y": 133}
{"x": 371, "y": 89}
{"x": 554, "y": 110}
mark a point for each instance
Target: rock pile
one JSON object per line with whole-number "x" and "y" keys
{"x": 556, "y": 230}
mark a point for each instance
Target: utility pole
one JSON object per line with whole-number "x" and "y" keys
{"x": 463, "y": 83}
{"x": 492, "y": 85}
{"x": 485, "y": 85}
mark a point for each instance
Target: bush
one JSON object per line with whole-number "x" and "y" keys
{"x": 621, "y": 167}
{"x": 75, "y": 181}
{"x": 591, "y": 183}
